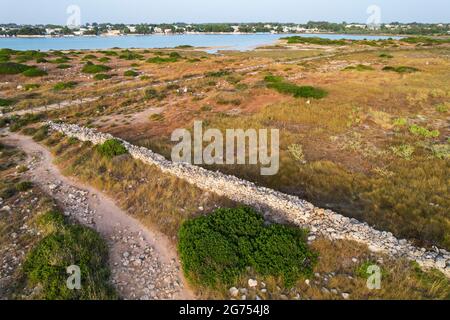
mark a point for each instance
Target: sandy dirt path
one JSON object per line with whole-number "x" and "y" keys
{"x": 143, "y": 262}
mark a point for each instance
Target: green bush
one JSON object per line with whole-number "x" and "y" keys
{"x": 404, "y": 151}
{"x": 64, "y": 85}
{"x": 128, "y": 55}
{"x": 401, "y": 69}
{"x": 23, "y": 186}
{"x": 22, "y": 59}
{"x": 4, "y": 57}
{"x": 359, "y": 67}
{"x": 95, "y": 68}
{"x": 34, "y": 72}
{"x": 281, "y": 86}
{"x": 442, "y": 108}
{"x": 386, "y": 55}
{"x": 111, "y": 148}
{"x": 13, "y": 68}
{"x": 217, "y": 74}
{"x": 31, "y": 86}
{"x": 89, "y": 57}
{"x": 18, "y": 122}
{"x": 298, "y": 91}
{"x": 6, "y": 102}
{"x": 63, "y": 246}
{"x": 160, "y": 60}
{"x": 63, "y": 66}
{"x": 61, "y": 60}
{"x": 216, "y": 249}
{"x": 152, "y": 93}
{"x": 102, "y": 76}
{"x": 130, "y": 73}
{"x": 424, "y": 132}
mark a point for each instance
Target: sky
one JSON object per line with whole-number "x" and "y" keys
{"x": 202, "y": 11}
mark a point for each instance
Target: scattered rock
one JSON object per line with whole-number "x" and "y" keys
{"x": 234, "y": 292}
{"x": 252, "y": 283}
{"x": 345, "y": 295}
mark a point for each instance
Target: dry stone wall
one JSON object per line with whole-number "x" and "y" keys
{"x": 276, "y": 205}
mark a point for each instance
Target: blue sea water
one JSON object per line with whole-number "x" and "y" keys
{"x": 241, "y": 42}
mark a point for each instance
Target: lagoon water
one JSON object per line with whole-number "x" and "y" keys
{"x": 214, "y": 42}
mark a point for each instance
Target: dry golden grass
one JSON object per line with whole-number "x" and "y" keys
{"x": 339, "y": 271}
{"x": 158, "y": 200}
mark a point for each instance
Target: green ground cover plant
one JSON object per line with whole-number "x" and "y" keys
{"x": 111, "y": 148}
{"x": 12, "y": 68}
{"x": 67, "y": 244}
{"x": 91, "y": 68}
{"x": 284, "y": 87}
{"x": 216, "y": 249}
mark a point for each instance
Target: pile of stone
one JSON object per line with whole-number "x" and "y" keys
{"x": 275, "y": 205}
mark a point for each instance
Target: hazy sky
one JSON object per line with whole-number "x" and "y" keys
{"x": 157, "y": 11}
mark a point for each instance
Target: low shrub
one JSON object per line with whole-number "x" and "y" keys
{"x": 386, "y": 55}
{"x": 95, "y": 68}
{"x": 442, "y": 108}
{"x": 206, "y": 108}
{"x": 400, "y": 122}
{"x": 111, "y": 148}
{"x": 34, "y": 72}
{"x": 424, "y": 132}
{"x": 12, "y": 68}
{"x": 66, "y": 245}
{"x": 160, "y": 60}
{"x": 441, "y": 151}
{"x": 217, "y": 74}
{"x": 216, "y": 249}
{"x": 31, "y": 86}
{"x": 284, "y": 87}
{"x": 102, "y": 76}
{"x": 61, "y": 60}
{"x": 5, "y": 57}
{"x": 63, "y": 66}
{"x": 129, "y": 55}
{"x": 64, "y": 85}
{"x": 152, "y": 93}
{"x": 23, "y": 186}
{"x": 359, "y": 67}
{"x": 401, "y": 69}
{"x": 18, "y": 122}
{"x": 130, "y": 73}
{"x": 296, "y": 150}
{"x": 89, "y": 57}
{"x": 175, "y": 55}
{"x": 6, "y": 102}
{"x": 404, "y": 151}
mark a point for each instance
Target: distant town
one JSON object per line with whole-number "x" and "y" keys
{"x": 110, "y": 29}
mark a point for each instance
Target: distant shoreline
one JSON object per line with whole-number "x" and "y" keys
{"x": 198, "y": 33}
